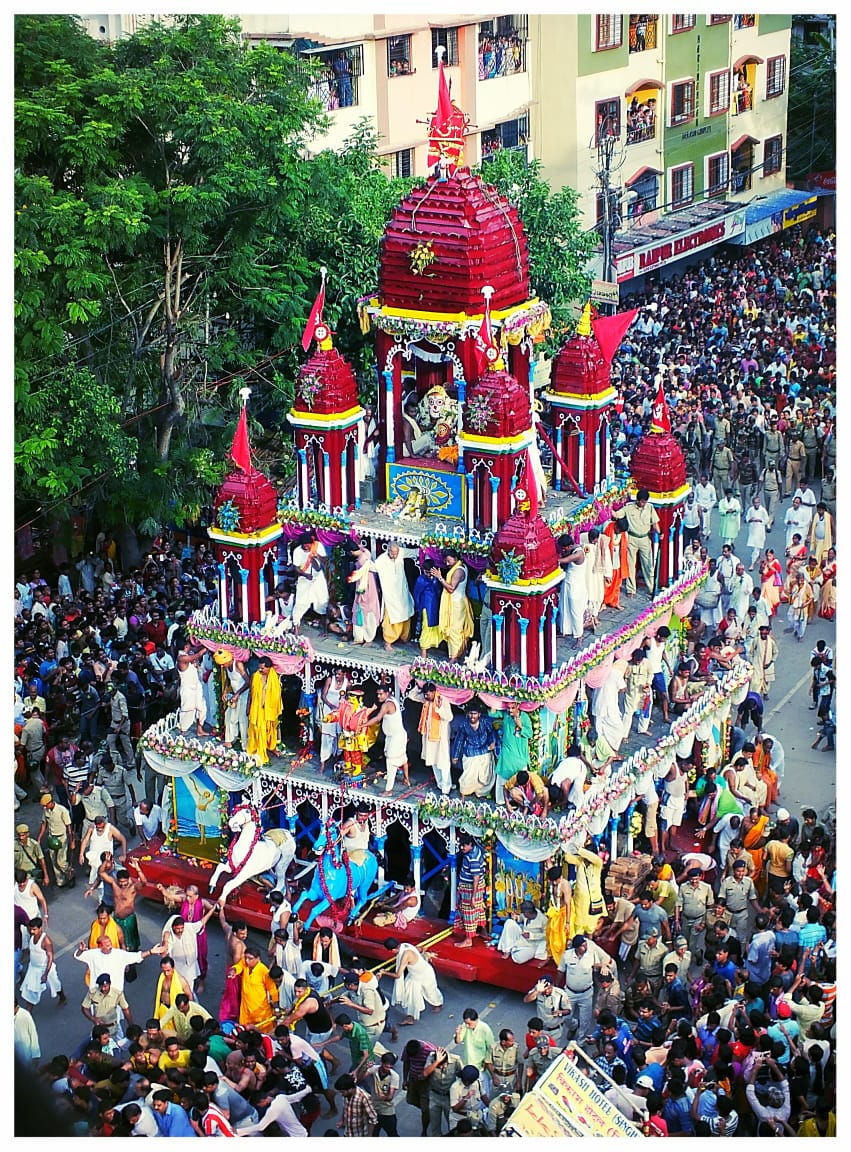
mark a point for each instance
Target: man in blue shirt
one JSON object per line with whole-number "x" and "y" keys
{"x": 171, "y": 1118}
{"x": 759, "y": 957}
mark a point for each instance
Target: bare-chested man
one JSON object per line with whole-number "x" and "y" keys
{"x": 125, "y": 890}
{"x": 236, "y": 937}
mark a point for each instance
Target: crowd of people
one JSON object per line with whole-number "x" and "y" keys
{"x": 707, "y": 1001}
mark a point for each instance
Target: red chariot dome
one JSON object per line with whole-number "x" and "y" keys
{"x": 497, "y": 405}
{"x": 446, "y": 239}
{"x": 326, "y": 384}
{"x": 245, "y": 502}
{"x": 526, "y": 540}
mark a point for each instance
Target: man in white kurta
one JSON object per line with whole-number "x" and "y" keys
{"x": 707, "y": 498}
{"x": 311, "y": 590}
{"x": 434, "y": 729}
{"x": 740, "y": 587}
{"x": 524, "y": 939}
{"x": 398, "y": 603}
{"x": 757, "y": 521}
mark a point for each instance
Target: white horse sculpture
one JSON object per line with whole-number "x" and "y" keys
{"x": 253, "y": 852}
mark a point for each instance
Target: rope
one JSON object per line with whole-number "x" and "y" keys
{"x": 417, "y": 207}
{"x": 497, "y": 203}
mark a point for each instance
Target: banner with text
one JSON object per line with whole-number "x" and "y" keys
{"x": 653, "y": 256}
{"x": 575, "y": 1100}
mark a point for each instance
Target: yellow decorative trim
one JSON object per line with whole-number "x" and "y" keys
{"x": 666, "y": 498}
{"x": 323, "y": 419}
{"x": 449, "y": 317}
{"x": 262, "y": 537}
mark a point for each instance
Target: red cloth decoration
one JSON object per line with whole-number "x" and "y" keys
{"x": 240, "y": 450}
{"x": 485, "y": 341}
{"x": 661, "y": 418}
{"x": 531, "y": 487}
{"x": 314, "y": 318}
{"x": 610, "y": 330}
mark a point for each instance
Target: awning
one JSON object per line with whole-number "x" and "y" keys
{"x": 643, "y": 172}
{"x": 643, "y": 84}
{"x": 332, "y": 47}
{"x": 775, "y": 211}
{"x": 743, "y": 140}
{"x": 748, "y": 60}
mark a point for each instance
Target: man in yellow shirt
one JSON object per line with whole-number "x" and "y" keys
{"x": 258, "y": 991}
{"x": 174, "y": 1056}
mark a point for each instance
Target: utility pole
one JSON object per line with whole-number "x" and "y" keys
{"x": 607, "y": 162}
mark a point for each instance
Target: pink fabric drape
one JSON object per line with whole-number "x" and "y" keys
{"x": 284, "y": 664}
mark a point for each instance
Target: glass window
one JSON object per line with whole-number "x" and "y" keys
{"x": 682, "y": 23}
{"x": 719, "y": 19}
{"x": 772, "y": 156}
{"x": 744, "y": 22}
{"x": 717, "y": 174}
{"x": 607, "y": 119}
{"x": 399, "y": 56}
{"x": 403, "y": 163}
{"x": 448, "y": 39}
{"x": 682, "y": 102}
{"x": 682, "y": 186}
{"x": 642, "y": 195}
{"x": 608, "y": 33}
{"x": 719, "y": 92}
{"x": 775, "y": 76}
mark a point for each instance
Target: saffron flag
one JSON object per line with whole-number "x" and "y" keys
{"x": 444, "y": 101}
{"x": 240, "y": 449}
{"x": 661, "y": 419}
{"x": 610, "y": 330}
{"x": 314, "y": 317}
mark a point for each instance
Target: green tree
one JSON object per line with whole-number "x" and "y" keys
{"x": 559, "y": 250}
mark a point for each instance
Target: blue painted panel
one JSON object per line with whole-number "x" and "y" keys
{"x": 444, "y": 491}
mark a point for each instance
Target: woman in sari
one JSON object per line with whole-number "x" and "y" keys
{"x": 796, "y": 555}
{"x": 812, "y": 571}
{"x": 766, "y": 774}
{"x": 827, "y": 600}
{"x": 771, "y": 573}
{"x": 753, "y": 835}
{"x": 366, "y": 610}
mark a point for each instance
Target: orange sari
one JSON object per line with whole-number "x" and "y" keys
{"x": 750, "y": 839}
{"x": 762, "y": 766}
{"x": 620, "y": 565}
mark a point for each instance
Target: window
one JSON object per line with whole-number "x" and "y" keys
{"x": 512, "y": 135}
{"x": 772, "y": 155}
{"x": 642, "y": 195}
{"x": 682, "y": 102}
{"x": 719, "y": 92}
{"x": 775, "y": 76}
{"x": 502, "y": 46}
{"x": 717, "y": 174}
{"x": 334, "y": 82}
{"x": 643, "y": 33}
{"x": 399, "y": 56}
{"x": 448, "y": 39}
{"x": 682, "y": 186}
{"x": 403, "y": 163}
{"x": 608, "y": 33}
{"x": 641, "y": 118}
{"x": 719, "y": 20}
{"x": 607, "y": 119}
{"x": 744, "y": 22}
{"x": 741, "y": 167}
{"x": 682, "y": 23}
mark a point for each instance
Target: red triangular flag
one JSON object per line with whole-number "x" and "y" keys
{"x": 444, "y": 100}
{"x": 314, "y": 317}
{"x": 661, "y": 420}
{"x": 240, "y": 449}
{"x": 531, "y": 486}
{"x": 610, "y": 330}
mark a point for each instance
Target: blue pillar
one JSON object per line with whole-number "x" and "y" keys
{"x": 560, "y": 451}
{"x": 452, "y": 860}
{"x": 389, "y": 418}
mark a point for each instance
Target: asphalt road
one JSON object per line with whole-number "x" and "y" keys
{"x": 810, "y": 780}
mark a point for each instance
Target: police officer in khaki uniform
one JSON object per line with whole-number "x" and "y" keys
{"x": 641, "y": 522}
{"x": 796, "y": 459}
{"x": 694, "y": 900}
{"x": 740, "y": 894}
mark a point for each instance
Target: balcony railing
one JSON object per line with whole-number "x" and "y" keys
{"x": 501, "y": 56}
{"x": 643, "y": 33}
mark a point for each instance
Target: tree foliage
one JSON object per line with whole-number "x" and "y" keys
{"x": 558, "y": 250}
{"x": 169, "y": 228}
{"x": 810, "y": 132}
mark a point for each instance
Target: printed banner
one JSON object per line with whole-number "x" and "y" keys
{"x": 581, "y": 1103}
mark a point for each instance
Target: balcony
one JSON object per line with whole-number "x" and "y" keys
{"x": 643, "y": 33}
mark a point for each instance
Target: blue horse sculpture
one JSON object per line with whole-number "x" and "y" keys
{"x": 331, "y": 869}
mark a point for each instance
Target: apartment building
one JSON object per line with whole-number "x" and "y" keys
{"x": 385, "y": 68}
{"x": 687, "y": 113}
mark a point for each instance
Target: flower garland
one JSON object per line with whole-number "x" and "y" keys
{"x": 338, "y": 859}
{"x": 422, "y": 257}
{"x": 258, "y": 832}
{"x": 531, "y": 690}
{"x": 593, "y": 512}
{"x": 204, "y": 626}
{"x": 468, "y": 545}
{"x": 488, "y": 819}
{"x": 177, "y": 746}
{"x": 334, "y": 521}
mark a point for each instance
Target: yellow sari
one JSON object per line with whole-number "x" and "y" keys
{"x": 456, "y": 616}
{"x": 750, "y": 839}
{"x": 264, "y": 712}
